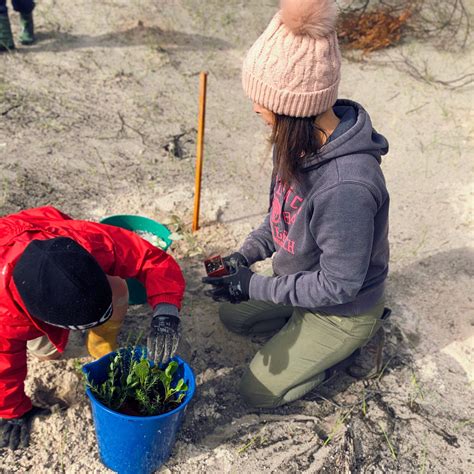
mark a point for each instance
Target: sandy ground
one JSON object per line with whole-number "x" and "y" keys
{"x": 90, "y": 120}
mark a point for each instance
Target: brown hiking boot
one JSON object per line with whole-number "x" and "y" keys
{"x": 369, "y": 362}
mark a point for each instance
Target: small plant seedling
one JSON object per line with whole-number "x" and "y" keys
{"x": 256, "y": 441}
{"x": 463, "y": 423}
{"x": 418, "y": 391}
{"x": 77, "y": 366}
{"x": 337, "y": 425}
{"x": 215, "y": 266}
{"x": 136, "y": 387}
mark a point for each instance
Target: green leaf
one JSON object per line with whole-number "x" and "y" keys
{"x": 180, "y": 386}
{"x": 171, "y": 368}
{"x": 165, "y": 379}
{"x": 180, "y": 398}
{"x": 142, "y": 371}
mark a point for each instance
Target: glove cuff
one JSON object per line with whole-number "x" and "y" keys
{"x": 245, "y": 281}
{"x": 165, "y": 309}
{"x": 239, "y": 258}
{"x": 234, "y": 261}
{"x": 166, "y": 324}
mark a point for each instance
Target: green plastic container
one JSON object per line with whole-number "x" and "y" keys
{"x": 137, "y": 293}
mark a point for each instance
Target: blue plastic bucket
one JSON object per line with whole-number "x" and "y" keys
{"x": 136, "y": 291}
{"x": 135, "y": 444}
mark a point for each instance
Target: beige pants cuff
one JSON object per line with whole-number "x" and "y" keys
{"x": 41, "y": 347}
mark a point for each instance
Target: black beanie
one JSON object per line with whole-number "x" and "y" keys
{"x": 62, "y": 284}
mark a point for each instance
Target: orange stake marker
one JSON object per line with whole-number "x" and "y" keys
{"x": 200, "y": 148}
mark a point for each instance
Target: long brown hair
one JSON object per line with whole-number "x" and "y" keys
{"x": 294, "y": 139}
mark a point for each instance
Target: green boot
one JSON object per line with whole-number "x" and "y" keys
{"x": 6, "y": 37}
{"x": 27, "y": 35}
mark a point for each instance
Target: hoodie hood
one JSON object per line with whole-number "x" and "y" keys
{"x": 360, "y": 138}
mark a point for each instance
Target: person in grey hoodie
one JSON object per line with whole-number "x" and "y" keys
{"x": 327, "y": 226}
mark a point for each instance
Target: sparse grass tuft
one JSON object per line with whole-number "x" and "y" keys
{"x": 257, "y": 441}
{"x": 389, "y": 444}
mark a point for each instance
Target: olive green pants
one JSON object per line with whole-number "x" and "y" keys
{"x": 295, "y": 359}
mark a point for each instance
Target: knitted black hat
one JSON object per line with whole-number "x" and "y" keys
{"x": 62, "y": 284}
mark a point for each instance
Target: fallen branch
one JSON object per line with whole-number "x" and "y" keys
{"x": 101, "y": 159}
{"x": 371, "y": 25}
{"x": 124, "y": 125}
{"x": 423, "y": 75}
{"x": 9, "y": 109}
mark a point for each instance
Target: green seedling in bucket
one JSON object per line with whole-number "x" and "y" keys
{"x": 134, "y": 386}
{"x": 134, "y": 440}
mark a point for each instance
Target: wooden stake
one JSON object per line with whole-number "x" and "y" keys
{"x": 200, "y": 148}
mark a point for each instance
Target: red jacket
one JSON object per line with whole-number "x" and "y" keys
{"x": 119, "y": 252}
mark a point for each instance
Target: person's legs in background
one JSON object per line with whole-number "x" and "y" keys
{"x": 25, "y": 9}
{"x": 6, "y": 37}
{"x": 103, "y": 339}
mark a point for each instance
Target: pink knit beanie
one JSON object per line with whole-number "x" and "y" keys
{"x": 294, "y": 67}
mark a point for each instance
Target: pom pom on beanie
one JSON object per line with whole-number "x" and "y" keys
{"x": 315, "y": 18}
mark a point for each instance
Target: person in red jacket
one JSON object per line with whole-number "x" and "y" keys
{"x": 58, "y": 274}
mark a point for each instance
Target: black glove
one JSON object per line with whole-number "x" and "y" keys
{"x": 15, "y": 432}
{"x": 234, "y": 261}
{"x": 234, "y": 288}
{"x": 164, "y": 337}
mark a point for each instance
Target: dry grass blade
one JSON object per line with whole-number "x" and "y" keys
{"x": 390, "y": 445}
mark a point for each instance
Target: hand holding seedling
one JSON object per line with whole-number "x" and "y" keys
{"x": 233, "y": 288}
{"x": 15, "y": 432}
{"x": 234, "y": 261}
{"x": 163, "y": 338}
{"x": 219, "y": 266}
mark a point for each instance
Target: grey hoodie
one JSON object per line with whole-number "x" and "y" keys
{"x": 329, "y": 233}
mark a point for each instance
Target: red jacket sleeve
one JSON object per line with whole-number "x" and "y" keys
{"x": 13, "y": 400}
{"x": 41, "y": 215}
{"x": 123, "y": 253}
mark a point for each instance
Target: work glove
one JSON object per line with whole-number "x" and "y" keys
{"x": 233, "y": 288}
{"x": 234, "y": 261}
{"x": 164, "y": 335}
{"x": 15, "y": 432}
